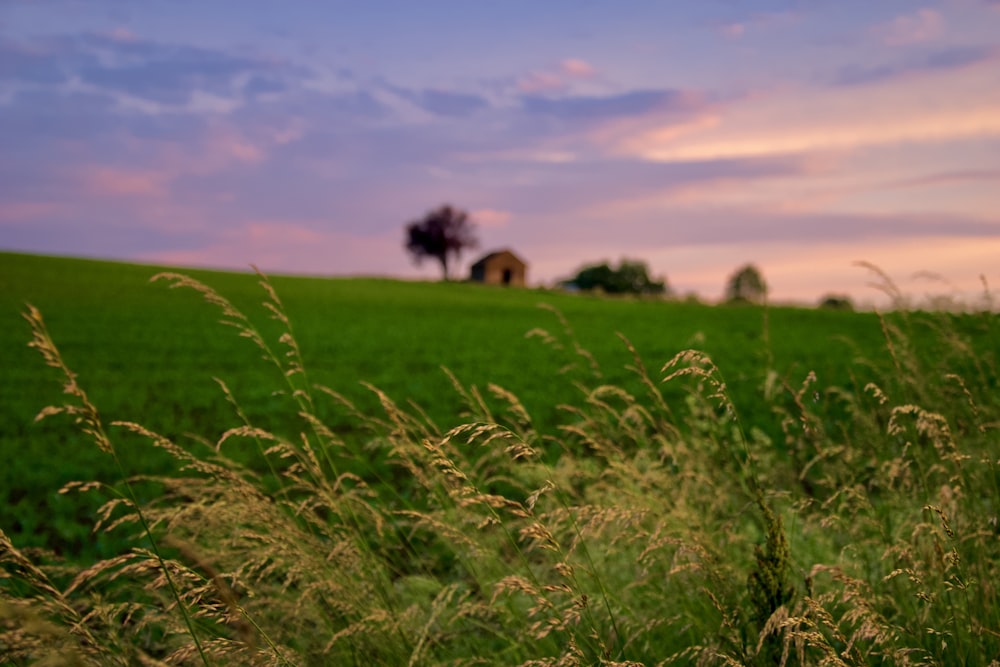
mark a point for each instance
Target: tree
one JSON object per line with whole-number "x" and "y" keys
{"x": 746, "y": 284}
{"x": 441, "y": 233}
{"x": 631, "y": 277}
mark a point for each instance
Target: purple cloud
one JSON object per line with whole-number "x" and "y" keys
{"x": 264, "y": 85}
{"x": 34, "y": 64}
{"x": 444, "y": 102}
{"x": 577, "y": 187}
{"x": 732, "y": 227}
{"x": 164, "y": 73}
{"x": 597, "y": 108}
{"x": 935, "y": 61}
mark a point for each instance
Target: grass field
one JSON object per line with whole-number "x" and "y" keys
{"x": 149, "y": 353}
{"x": 821, "y": 486}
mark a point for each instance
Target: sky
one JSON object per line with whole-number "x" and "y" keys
{"x": 800, "y": 136}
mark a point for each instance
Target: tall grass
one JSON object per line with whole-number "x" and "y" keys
{"x": 647, "y": 532}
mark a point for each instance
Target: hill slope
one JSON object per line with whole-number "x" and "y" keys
{"x": 148, "y": 353}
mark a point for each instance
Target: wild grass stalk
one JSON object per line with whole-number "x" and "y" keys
{"x": 643, "y": 531}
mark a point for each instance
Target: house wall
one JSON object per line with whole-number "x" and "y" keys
{"x": 492, "y": 271}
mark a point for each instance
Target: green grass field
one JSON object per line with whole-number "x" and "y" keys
{"x": 149, "y": 353}
{"x": 812, "y": 487}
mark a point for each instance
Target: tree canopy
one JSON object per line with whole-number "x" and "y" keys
{"x": 746, "y": 284}
{"x": 441, "y": 234}
{"x": 630, "y": 277}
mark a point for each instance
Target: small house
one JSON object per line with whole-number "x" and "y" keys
{"x": 500, "y": 268}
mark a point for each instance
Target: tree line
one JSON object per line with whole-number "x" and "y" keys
{"x": 443, "y": 233}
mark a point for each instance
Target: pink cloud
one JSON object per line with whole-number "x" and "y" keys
{"x": 302, "y": 247}
{"x": 948, "y": 178}
{"x": 490, "y": 218}
{"x": 562, "y": 77}
{"x": 27, "y": 210}
{"x": 266, "y": 232}
{"x": 123, "y": 34}
{"x": 539, "y": 82}
{"x": 576, "y": 68}
{"x": 757, "y": 23}
{"x": 221, "y": 147}
{"x": 226, "y": 146}
{"x": 158, "y": 164}
{"x": 117, "y": 182}
{"x": 631, "y": 140}
{"x": 294, "y": 131}
{"x": 733, "y": 30}
{"x": 924, "y": 25}
{"x": 934, "y": 108}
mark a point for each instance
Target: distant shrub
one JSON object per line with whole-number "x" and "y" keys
{"x": 836, "y": 302}
{"x": 629, "y": 277}
{"x": 693, "y": 298}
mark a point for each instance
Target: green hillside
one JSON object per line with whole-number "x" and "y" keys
{"x": 778, "y": 486}
{"x": 148, "y": 353}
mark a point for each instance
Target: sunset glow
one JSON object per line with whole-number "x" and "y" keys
{"x": 696, "y": 136}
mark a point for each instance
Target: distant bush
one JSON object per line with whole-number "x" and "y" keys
{"x": 629, "y": 277}
{"x": 836, "y": 302}
{"x": 693, "y": 298}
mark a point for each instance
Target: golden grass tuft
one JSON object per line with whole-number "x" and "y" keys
{"x": 643, "y": 531}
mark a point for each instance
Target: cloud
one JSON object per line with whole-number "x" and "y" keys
{"x": 739, "y": 27}
{"x": 317, "y": 143}
{"x": 263, "y": 84}
{"x": 122, "y": 34}
{"x": 576, "y": 68}
{"x": 225, "y": 146}
{"x": 125, "y": 65}
{"x": 171, "y": 78}
{"x": 26, "y": 211}
{"x": 606, "y": 190}
{"x": 733, "y": 30}
{"x": 445, "y": 103}
{"x": 113, "y": 181}
{"x": 97, "y": 166}
{"x": 275, "y": 244}
{"x": 942, "y": 60}
{"x": 924, "y": 25}
{"x": 671, "y": 224}
{"x": 948, "y": 178}
{"x": 252, "y": 159}
{"x": 33, "y": 63}
{"x": 940, "y": 106}
{"x": 34, "y": 116}
{"x": 559, "y": 79}
{"x": 490, "y": 218}
{"x": 590, "y": 108}
{"x": 938, "y": 126}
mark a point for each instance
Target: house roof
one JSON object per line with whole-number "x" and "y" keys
{"x": 485, "y": 258}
